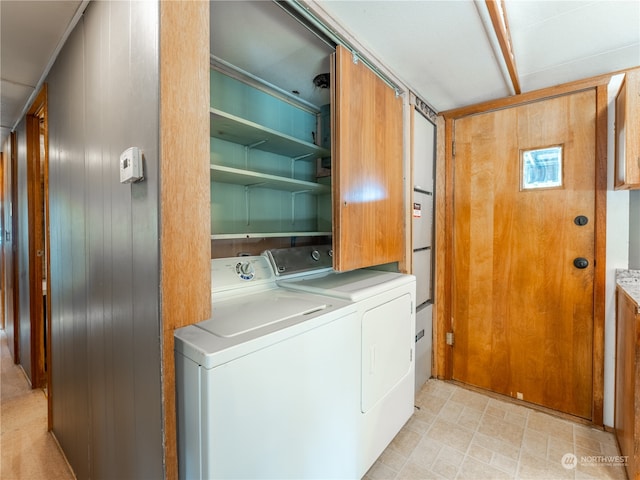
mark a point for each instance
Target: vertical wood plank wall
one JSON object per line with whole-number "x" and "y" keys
{"x": 7, "y": 246}
{"x": 600, "y": 280}
{"x": 3, "y": 167}
{"x": 184, "y": 187}
{"x": 22, "y": 249}
{"x": 69, "y": 370}
{"x": 105, "y": 244}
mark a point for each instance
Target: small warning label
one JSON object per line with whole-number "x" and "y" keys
{"x": 417, "y": 210}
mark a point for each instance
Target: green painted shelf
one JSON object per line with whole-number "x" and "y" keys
{"x": 229, "y": 236}
{"x": 238, "y": 130}
{"x": 250, "y": 178}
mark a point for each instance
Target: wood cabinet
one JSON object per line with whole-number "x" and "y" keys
{"x": 627, "y": 397}
{"x": 280, "y": 173}
{"x": 627, "y": 133}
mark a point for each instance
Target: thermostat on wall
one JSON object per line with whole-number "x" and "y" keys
{"x": 131, "y": 165}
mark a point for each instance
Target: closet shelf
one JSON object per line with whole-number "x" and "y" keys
{"x": 244, "y": 132}
{"x": 231, "y": 236}
{"x": 249, "y": 178}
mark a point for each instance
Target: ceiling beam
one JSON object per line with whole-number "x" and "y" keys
{"x": 501, "y": 28}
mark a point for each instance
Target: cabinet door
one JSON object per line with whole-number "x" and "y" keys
{"x": 627, "y": 159}
{"x": 368, "y": 226}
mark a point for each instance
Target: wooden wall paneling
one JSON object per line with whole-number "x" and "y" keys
{"x": 108, "y": 255}
{"x": 106, "y": 332}
{"x": 69, "y": 356}
{"x": 22, "y": 249}
{"x": 444, "y": 249}
{"x": 10, "y": 274}
{"x": 3, "y": 202}
{"x": 184, "y": 187}
{"x": 109, "y": 235}
{"x": 438, "y": 258}
{"x": 368, "y": 168}
{"x": 599, "y": 300}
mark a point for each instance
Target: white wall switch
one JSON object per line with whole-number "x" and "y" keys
{"x": 131, "y": 165}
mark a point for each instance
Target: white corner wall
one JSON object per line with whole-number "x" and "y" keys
{"x": 617, "y": 256}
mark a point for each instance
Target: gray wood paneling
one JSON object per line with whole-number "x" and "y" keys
{"x": 69, "y": 383}
{"x": 24, "y": 310}
{"x": 8, "y": 242}
{"x": 104, "y": 253}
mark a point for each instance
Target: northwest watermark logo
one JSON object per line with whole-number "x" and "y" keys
{"x": 571, "y": 461}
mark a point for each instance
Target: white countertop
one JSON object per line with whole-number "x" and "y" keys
{"x": 629, "y": 280}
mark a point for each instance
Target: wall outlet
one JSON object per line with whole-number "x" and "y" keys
{"x": 519, "y": 396}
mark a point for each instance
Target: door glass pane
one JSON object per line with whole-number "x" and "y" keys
{"x": 541, "y": 168}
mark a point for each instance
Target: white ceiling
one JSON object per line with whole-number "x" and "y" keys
{"x": 31, "y": 33}
{"x": 444, "y": 50}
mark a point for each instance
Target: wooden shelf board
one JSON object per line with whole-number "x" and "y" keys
{"x": 229, "y": 236}
{"x": 244, "y": 132}
{"x": 247, "y": 178}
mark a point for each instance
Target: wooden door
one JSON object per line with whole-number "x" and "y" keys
{"x": 367, "y": 167}
{"x": 37, "y": 161}
{"x": 522, "y": 312}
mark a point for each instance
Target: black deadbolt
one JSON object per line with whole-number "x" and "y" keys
{"x": 581, "y": 262}
{"x": 581, "y": 220}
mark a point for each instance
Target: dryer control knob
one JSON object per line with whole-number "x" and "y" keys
{"x": 315, "y": 255}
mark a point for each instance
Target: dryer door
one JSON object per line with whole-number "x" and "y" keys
{"x": 386, "y": 348}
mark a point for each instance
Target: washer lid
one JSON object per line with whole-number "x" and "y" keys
{"x": 354, "y": 285}
{"x": 243, "y": 314}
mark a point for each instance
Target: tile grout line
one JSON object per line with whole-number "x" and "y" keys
{"x": 475, "y": 431}
{"x": 521, "y": 450}
{"x": 441, "y": 445}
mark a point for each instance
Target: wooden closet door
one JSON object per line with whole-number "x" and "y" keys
{"x": 367, "y": 148}
{"x": 523, "y": 313}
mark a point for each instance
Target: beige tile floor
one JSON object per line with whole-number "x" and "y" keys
{"x": 459, "y": 434}
{"x": 454, "y": 434}
{"x": 27, "y": 450}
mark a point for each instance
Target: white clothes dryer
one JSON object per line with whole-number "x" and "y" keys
{"x": 386, "y": 315}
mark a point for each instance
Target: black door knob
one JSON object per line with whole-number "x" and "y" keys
{"x": 581, "y": 220}
{"x": 581, "y": 262}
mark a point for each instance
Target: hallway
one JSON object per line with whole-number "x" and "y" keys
{"x": 27, "y": 450}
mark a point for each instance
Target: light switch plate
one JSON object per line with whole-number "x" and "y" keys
{"x": 131, "y": 165}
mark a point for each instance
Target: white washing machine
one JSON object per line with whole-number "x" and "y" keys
{"x": 386, "y": 318}
{"x": 269, "y": 387}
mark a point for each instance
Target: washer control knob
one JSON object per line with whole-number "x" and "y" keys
{"x": 245, "y": 270}
{"x": 315, "y": 255}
